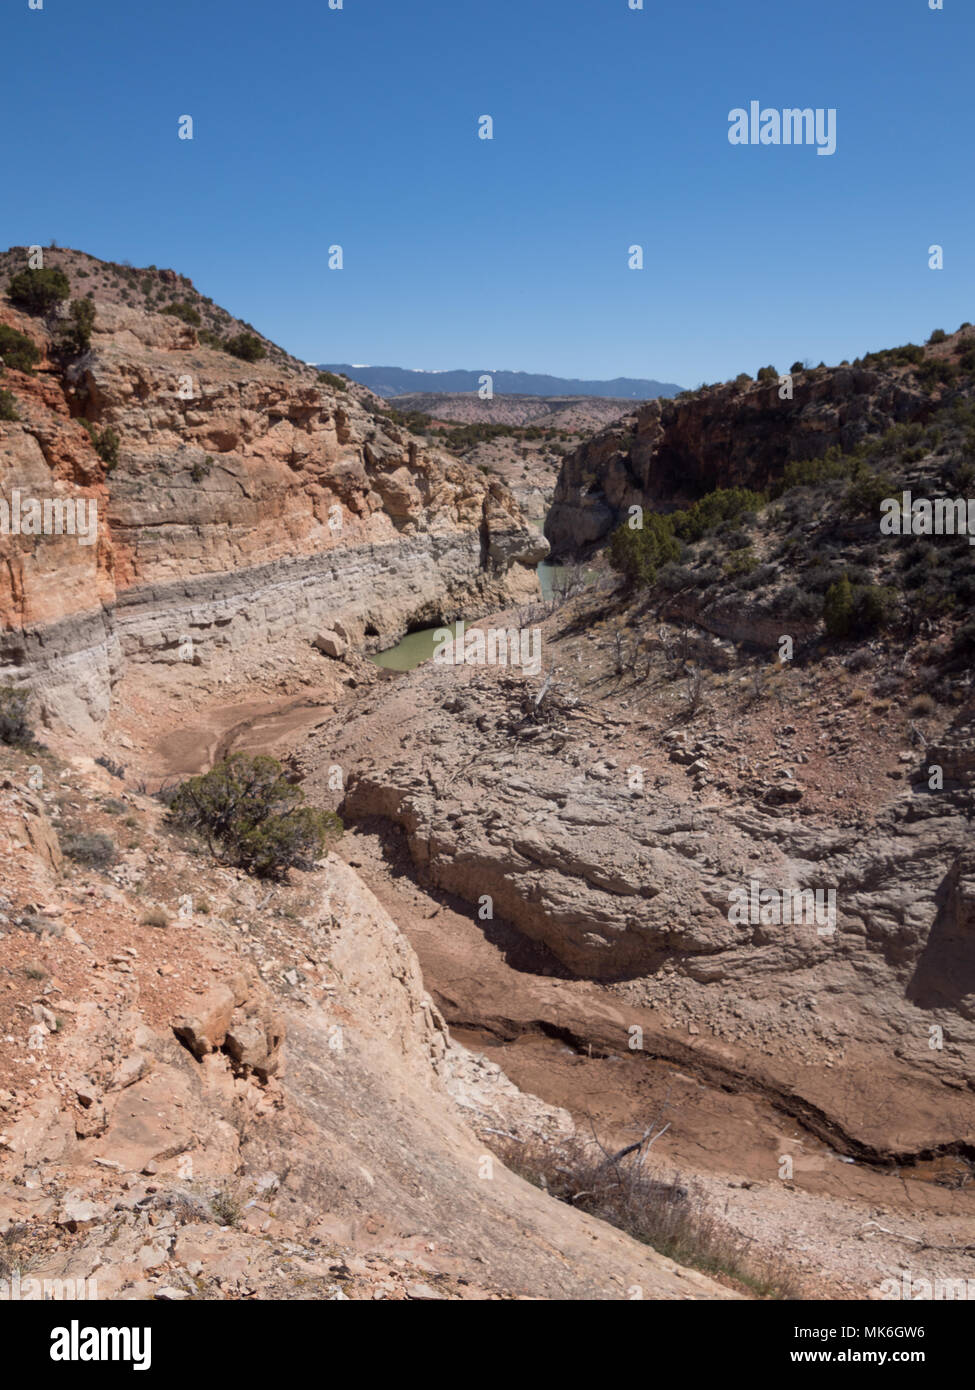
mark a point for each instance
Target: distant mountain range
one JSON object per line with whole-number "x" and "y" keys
{"x": 400, "y": 381}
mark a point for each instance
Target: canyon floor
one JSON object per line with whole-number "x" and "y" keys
{"x": 745, "y": 1070}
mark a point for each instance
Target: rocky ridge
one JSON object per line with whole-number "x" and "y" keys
{"x": 736, "y": 434}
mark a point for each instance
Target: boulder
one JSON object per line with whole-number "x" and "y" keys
{"x": 205, "y": 1031}
{"x": 331, "y": 644}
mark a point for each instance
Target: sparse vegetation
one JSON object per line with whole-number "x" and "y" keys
{"x": 253, "y": 817}
{"x": 39, "y": 291}
{"x": 337, "y": 383}
{"x": 75, "y": 337}
{"x": 17, "y": 350}
{"x": 669, "y": 1215}
{"x": 93, "y": 849}
{"x": 638, "y": 553}
{"x": 8, "y": 405}
{"x": 15, "y": 730}
{"x": 106, "y": 442}
{"x": 740, "y": 563}
{"x": 247, "y": 346}
{"x": 182, "y": 309}
{"x": 115, "y": 769}
{"x": 226, "y": 1207}
{"x": 922, "y": 707}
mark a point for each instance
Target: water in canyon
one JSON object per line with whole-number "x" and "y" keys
{"x": 414, "y": 648}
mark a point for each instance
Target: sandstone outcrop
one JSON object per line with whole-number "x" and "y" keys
{"x": 249, "y": 504}
{"x": 667, "y": 453}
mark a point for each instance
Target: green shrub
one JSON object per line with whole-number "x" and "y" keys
{"x": 710, "y": 511}
{"x": 638, "y": 554}
{"x": 936, "y": 370}
{"x": 909, "y": 354}
{"x": 740, "y": 563}
{"x": 856, "y": 610}
{"x": 337, "y": 383}
{"x": 871, "y": 609}
{"x": 866, "y": 492}
{"x": 246, "y": 346}
{"x": 8, "y": 405}
{"x": 38, "y": 291}
{"x": 180, "y": 309}
{"x": 75, "y": 337}
{"x": 17, "y": 350}
{"x": 83, "y": 315}
{"x": 253, "y": 817}
{"x": 838, "y": 608}
{"x": 814, "y": 472}
{"x": 766, "y": 375}
{"x": 106, "y": 443}
{"x": 199, "y": 471}
{"x": 938, "y": 336}
{"x": 14, "y": 728}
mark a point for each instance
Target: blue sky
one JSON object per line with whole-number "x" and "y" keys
{"x": 359, "y": 127}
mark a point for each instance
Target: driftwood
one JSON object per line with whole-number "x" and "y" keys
{"x": 645, "y": 1142}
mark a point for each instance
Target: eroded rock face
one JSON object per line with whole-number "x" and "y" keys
{"x": 234, "y": 1019}
{"x": 667, "y": 453}
{"x": 162, "y": 1165}
{"x": 248, "y": 504}
{"x": 625, "y": 883}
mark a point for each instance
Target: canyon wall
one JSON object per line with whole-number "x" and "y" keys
{"x": 249, "y": 503}
{"x": 668, "y": 453}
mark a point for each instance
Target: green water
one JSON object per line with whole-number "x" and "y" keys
{"x": 414, "y": 648}
{"x": 548, "y": 573}
{"x": 420, "y": 646}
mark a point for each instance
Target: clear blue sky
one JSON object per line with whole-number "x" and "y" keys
{"x": 358, "y": 127}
